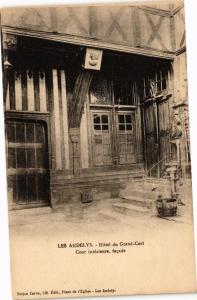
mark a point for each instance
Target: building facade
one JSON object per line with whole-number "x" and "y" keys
{"x": 94, "y": 96}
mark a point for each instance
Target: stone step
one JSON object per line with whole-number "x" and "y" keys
{"x": 157, "y": 181}
{"x": 144, "y": 194}
{"x": 150, "y": 193}
{"x": 138, "y": 201}
{"x": 147, "y": 181}
{"x": 130, "y": 209}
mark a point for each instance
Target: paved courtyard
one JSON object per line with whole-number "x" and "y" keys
{"x": 160, "y": 245}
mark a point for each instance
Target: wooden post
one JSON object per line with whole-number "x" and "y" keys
{"x": 18, "y": 91}
{"x": 58, "y": 157}
{"x": 42, "y": 91}
{"x": 9, "y": 43}
{"x": 81, "y": 88}
{"x": 65, "y": 119}
{"x": 75, "y": 140}
{"x": 155, "y": 112}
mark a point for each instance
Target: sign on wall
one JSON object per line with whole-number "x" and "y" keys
{"x": 93, "y": 58}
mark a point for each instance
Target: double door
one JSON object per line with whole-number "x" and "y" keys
{"x": 113, "y": 137}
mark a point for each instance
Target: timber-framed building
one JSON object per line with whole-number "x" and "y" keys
{"x": 94, "y": 96}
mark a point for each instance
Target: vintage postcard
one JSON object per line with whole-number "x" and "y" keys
{"x": 98, "y": 150}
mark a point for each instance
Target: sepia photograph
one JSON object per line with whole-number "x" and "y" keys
{"x": 97, "y": 143}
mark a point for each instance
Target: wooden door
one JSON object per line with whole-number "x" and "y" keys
{"x": 27, "y": 164}
{"x": 125, "y": 137}
{"x": 151, "y": 135}
{"x": 157, "y": 135}
{"x": 164, "y": 132}
{"x": 102, "y": 138}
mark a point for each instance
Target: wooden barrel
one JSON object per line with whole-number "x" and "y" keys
{"x": 166, "y": 207}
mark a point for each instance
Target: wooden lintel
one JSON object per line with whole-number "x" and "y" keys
{"x": 88, "y": 42}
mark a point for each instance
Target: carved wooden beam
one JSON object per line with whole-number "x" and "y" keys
{"x": 9, "y": 42}
{"x": 81, "y": 88}
{"x": 80, "y": 91}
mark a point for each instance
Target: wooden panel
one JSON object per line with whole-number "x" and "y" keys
{"x": 18, "y": 91}
{"x": 155, "y": 30}
{"x": 126, "y": 137}
{"x": 115, "y": 25}
{"x": 164, "y": 129}
{"x": 73, "y": 20}
{"x": 180, "y": 73}
{"x": 42, "y": 92}
{"x": 138, "y": 130}
{"x": 7, "y": 100}
{"x": 11, "y": 87}
{"x": 36, "y": 90}
{"x": 102, "y": 141}
{"x": 24, "y": 90}
{"x": 183, "y": 77}
{"x": 27, "y": 91}
{"x": 30, "y": 91}
{"x": 150, "y": 132}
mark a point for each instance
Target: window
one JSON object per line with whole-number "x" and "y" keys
{"x": 124, "y": 92}
{"x": 155, "y": 84}
{"x": 100, "y": 90}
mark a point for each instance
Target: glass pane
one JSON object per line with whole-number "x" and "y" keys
{"x": 96, "y": 119}
{"x": 158, "y": 86}
{"x": 123, "y": 92}
{"x": 11, "y": 158}
{"x": 129, "y": 127}
{"x": 105, "y": 127}
{"x": 20, "y": 133}
{"x": 22, "y": 188}
{"x": 21, "y": 161}
{"x": 40, "y": 158}
{"x": 10, "y": 132}
{"x": 30, "y": 158}
{"x": 31, "y": 187}
{"x": 39, "y": 133}
{"x": 42, "y": 184}
{"x": 128, "y": 118}
{"x": 104, "y": 118}
{"x": 121, "y": 127}
{"x": 97, "y": 127}
{"x": 121, "y": 119}
{"x": 99, "y": 92}
{"x": 30, "y": 133}
{"x": 164, "y": 84}
{"x": 12, "y": 193}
